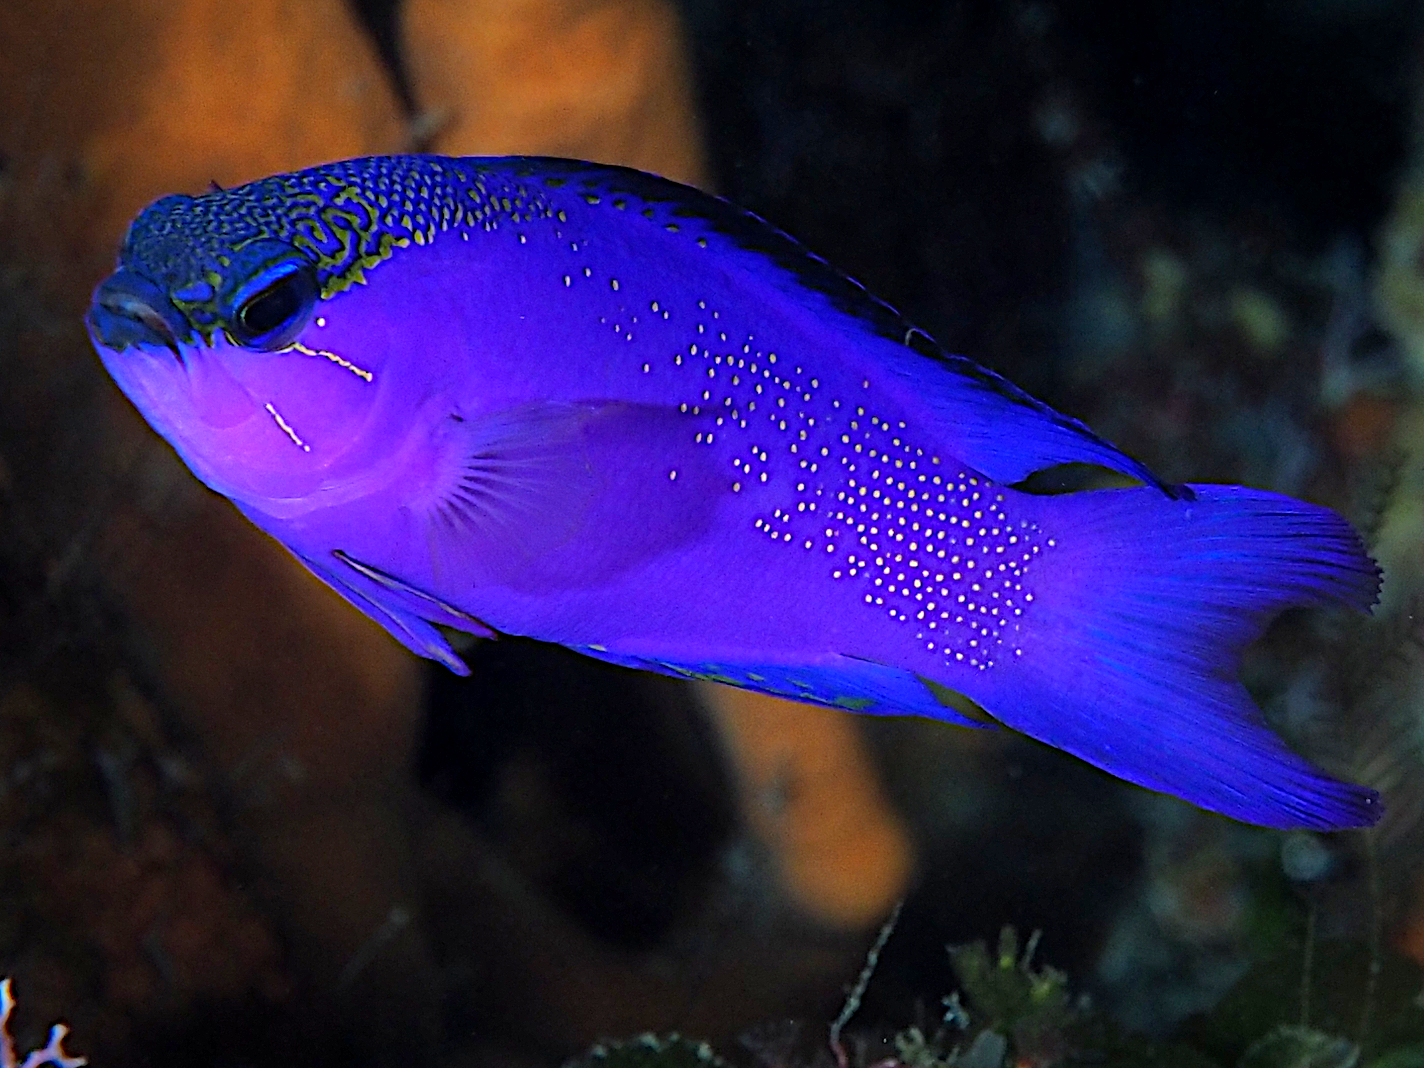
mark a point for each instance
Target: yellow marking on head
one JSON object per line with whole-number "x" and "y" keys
{"x": 340, "y": 361}
{"x": 355, "y": 274}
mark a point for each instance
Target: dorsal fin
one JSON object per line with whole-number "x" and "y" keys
{"x": 998, "y": 429}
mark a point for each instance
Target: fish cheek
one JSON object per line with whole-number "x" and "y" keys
{"x": 219, "y": 399}
{"x": 314, "y": 402}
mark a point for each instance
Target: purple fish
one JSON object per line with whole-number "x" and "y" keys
{"x": 593, "y": 407}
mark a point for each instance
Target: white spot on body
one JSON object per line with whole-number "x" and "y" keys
{"x": 914, "y": 539}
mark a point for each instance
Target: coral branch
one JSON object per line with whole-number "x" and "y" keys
{"x": 53, "y": 1052}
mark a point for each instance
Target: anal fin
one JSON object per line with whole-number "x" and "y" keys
{"x": 849, "y": 683}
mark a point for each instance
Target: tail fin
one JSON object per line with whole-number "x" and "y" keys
{"x": 1130, "y": 654}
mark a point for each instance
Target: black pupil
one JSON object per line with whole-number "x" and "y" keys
{"x": 273, "y": 307}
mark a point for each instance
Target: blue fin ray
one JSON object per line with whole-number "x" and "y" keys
{"x": 400, "y": 595}
{"x": 998, "y": 429}
{"x": 381, "y": 602}
{"x": 1130, "y": 657}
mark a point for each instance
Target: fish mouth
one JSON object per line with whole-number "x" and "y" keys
{"x": 130, "y": 311}
{"x": 131, "y": 318}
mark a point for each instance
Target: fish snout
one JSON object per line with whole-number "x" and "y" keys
{"x": 129, "y": 310}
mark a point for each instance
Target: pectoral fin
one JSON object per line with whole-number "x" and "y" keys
{"x": 545, "y": 498}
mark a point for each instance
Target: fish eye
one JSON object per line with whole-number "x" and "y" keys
{"x": 271, "y": 316}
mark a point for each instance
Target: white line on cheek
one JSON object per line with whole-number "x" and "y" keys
{"x": 340, "y": 361}
{"x": 286, "y": 427}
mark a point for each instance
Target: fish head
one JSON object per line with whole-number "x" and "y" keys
{"x": 217, "y": 327}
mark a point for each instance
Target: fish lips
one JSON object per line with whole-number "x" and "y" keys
{"x": 128, "y": 311}
{"x": 135, "y": 327}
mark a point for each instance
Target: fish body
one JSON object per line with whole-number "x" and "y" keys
{"x": 593, "y": 407}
